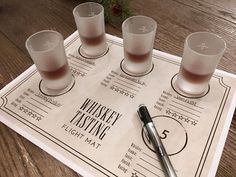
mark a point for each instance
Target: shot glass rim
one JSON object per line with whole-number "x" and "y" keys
{"x": 206, "y": 32}
{"x": 39, "y": 32}
{"x": 77, "y": 15}
{"x": 142, "y": 16}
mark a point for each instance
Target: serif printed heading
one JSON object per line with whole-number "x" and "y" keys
{"x": 95, "y": 118}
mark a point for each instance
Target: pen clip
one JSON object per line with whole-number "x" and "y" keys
{"x": 143, "y": 127}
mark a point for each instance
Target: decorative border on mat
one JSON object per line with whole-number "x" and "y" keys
{"x": 93, "y": 163}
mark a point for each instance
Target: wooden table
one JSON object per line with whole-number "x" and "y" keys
{"x": 176, "y": 19}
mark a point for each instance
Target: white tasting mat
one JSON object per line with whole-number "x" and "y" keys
{"x": 93, "y": 127}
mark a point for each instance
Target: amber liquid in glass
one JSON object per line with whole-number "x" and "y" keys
{"x": 193, "y": 77}
{"x": 55, "y": 74}
{"x": 93, "y": 40}
{"x": 138, "y": 58}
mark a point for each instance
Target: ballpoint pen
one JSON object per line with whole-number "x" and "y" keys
{"x": 152, "y": 135}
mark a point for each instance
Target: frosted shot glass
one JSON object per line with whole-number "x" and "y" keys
{"x": 138, "y": 39}
{"x": 202, "y": 53}
{"x": 89, "y": 19}
{"x": 46, "y": 49}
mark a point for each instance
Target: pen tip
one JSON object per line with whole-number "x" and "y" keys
{"x": 141, "y": 105}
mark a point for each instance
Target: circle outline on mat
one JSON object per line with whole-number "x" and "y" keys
{"x": 186, "y": 135}
{"x": 67, "y": 89}
{"x": 185, "y": 94}
{"x": 91, "y": 57}
{"x": 132, "y": 74}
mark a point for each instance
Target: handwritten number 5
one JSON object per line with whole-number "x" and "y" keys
{"x": 164, "y": 134}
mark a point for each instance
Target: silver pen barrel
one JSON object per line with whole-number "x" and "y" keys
{"x": 160, "y": 150}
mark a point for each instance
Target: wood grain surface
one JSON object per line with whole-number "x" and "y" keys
{"x": 176, "y": 19}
